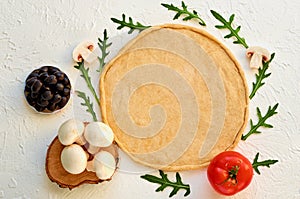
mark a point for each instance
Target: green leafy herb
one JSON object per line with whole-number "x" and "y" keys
{"x": 165, "y": 182}
{"x": 265, "y": 163}
{"x": 103, "y": 45}
{"x": 228, "y": 25}
{"x": 88, "y": 104}
{"x": 184, "y": 11}
{"x": 261, "y": 76}
{"x": 261, "y": 121}
{"x": 130, "y": 24}
{"x": 86, "y": 77}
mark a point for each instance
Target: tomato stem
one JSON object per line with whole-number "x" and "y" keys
{"x": 232, "y": 174}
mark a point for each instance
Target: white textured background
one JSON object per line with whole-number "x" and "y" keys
{"x": 39, "y": 32}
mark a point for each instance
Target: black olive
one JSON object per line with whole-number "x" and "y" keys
{"x": 54, "y": 80}
{"x": 34, "y": 95}
{"x": 39, "y": 108}
{"x": 52, "y": 107}
{"x": 30, "y": 81}
{"x": 66, "y": 81}
{"x": 52, "y": 70}
{"x": 30, "y": 101}
{"x": 42, "y": 103}
{"x": 27, "y": 89}
{"x": 63, "y": 102}
{"x": 56, "y": 99}
{"x": 44, "y": 69}
{"x": 59, "y": 75}
{"x": 51, "y": 79}
{"x": 46, "y": 88}
{"x": 36, "y": 86}
{"x": 60, "y": 86}
{"x": 43, "y": 76}
{"x": 66, "y": 92}
{"x": 47, "y": 95}
{"x": 33, "y": 74}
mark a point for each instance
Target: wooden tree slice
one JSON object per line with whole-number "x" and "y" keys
{"x": 58, "y": 174}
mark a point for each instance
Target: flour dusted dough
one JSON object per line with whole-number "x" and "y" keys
{"x": 175, "y": 97}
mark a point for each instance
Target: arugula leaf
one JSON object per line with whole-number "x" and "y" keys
{"x": 130, "y": 24}
{"x": 261, "y": 76}
{"x": 86, "y": 77}
{"x": 261, "y": 121}
{"x": 265, "y": 163}
{"x": 228, "y": 25}
{"x": 184, "y": 11}
{"x": 165, "y": 182}
{"x": 88, "y": 104}
{"x": 103, "y": 45}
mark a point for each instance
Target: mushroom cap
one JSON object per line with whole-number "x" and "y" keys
{"x": 74, "y": 159}
{"x": 104, "y": 165}
{"x": 98, "y": 134}
{"x": 258, "y": 50}
{"x": 70, "y": 131}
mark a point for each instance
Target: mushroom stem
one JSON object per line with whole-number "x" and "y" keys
{"x": 93, "y": 149}
{"x": 81, "y": 140}
{"x": 256, "y": 61}
{"x": 88, "y": 55}
{"x": 90, "y": 166}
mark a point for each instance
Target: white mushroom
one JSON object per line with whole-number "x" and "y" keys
{"x": 98, "y": 135}
{"x": 257, "y": 56}
{"x": 84, "y": 51}
{"x": 104, "y": 165}
{"x": 71, "y": 131}
{"x": 74, "y": 159}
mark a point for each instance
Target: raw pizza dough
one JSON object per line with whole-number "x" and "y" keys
{"x": 175, "y": 97}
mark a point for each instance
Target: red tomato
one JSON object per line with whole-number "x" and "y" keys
{"x": 229, "y": 172}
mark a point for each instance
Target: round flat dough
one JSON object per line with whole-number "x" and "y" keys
{"x": 175, "y": 97}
